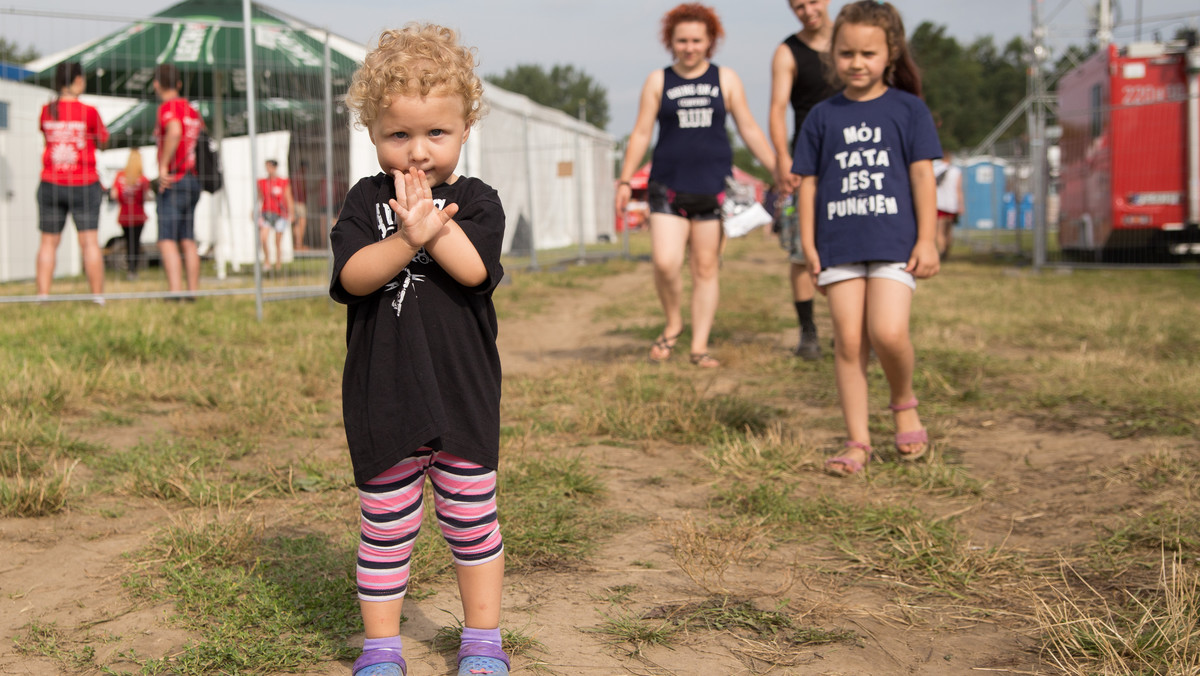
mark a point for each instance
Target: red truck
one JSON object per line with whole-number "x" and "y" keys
{"x": 1130, "y": 172}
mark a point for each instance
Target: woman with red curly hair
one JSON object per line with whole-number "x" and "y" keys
{"x": 690, "y": 100}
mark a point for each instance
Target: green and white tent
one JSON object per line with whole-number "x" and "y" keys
{"x": 205, "y": 40}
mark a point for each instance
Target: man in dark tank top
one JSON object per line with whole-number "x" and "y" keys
{"x": 798, "y": 79}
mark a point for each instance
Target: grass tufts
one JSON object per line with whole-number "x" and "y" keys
{"x": 550, "y": 511}
{"x": 37, "y": 493}
{"x": 258, "y": 604}
{"x": 707, "y": 553}
{"x": 1153, "y": 632}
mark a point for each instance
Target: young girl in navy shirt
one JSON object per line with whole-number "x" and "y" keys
{"x": 868, "y": 217}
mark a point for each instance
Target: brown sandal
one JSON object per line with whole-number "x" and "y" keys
{"x": 664, "y": 346}
{"x": 704, "y": 360}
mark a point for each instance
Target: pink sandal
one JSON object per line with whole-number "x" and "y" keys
{"x": 844, "y": 465}
{"x": 910, "y": 437}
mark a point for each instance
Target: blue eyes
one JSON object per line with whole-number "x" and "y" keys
{"x": 401, "y": 135}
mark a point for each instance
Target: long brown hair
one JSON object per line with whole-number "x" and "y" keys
{"x": 902, "y": 72}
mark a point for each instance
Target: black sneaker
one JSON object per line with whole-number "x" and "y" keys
{"x": 808, "y": 349}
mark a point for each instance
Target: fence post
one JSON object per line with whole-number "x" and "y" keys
{"x": 533, "y": 262}
{"x": 327, "y": 217}
{"x": 252, "y": 129}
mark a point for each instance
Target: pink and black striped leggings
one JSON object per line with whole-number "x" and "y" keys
{"x": 464, "y": 499}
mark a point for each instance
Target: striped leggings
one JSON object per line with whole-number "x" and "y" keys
{"x": 464, "y": 500}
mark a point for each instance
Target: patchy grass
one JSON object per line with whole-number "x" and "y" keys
{"x": 227, "y": 412}
{"x": 1156, "y": 631}
{"x": 258, "y": 603}
{"x": 770, "y": 635}
{"x": 40, "y": 492}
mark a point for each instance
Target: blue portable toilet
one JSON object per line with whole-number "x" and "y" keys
{"x": 1026, "y": 211}
{"x": 1008, "y": 206}
{"x": 983, "y": 191}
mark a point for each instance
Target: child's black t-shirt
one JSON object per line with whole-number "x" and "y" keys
{"x": 422, "y": 368}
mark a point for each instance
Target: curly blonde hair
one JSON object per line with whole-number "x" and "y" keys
{"x": 415, "y": 60}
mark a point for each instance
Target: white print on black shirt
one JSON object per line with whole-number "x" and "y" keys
{"x": 857, "y": 176}
{"x": 409, "y": 278}
{"x": 695, "y": 103}
{"x": 385, "y": 220}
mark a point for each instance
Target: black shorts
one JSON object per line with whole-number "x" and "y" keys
{"x": 663, "y": 200}
{"x": 56, "y": 201}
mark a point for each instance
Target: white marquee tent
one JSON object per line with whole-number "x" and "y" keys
{"x": 553, "y": 173}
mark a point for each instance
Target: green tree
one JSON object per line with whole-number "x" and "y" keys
{"x": 562, "y": 87}
{"x": 970, "y": 90}
{"x": 10, "y": 52}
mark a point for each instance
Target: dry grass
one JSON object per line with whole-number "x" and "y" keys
{"x": 1087, "y": 632}
{"x": 722, "y": 557}
{"x": 228, "y": 410}
{"x": 40, "y": 493}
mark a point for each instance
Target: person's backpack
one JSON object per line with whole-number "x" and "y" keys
{"x": 208, "y": 163}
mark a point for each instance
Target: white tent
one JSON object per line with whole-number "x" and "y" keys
{"x": 553, "y": 173}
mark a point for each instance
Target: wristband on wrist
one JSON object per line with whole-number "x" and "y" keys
{"x": 624, "y": 183}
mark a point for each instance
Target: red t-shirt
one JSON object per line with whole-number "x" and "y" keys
{"x": 272, "y": 192}
{"x": 132, "y": 199}
{"x": 72, "y": 130}
{"x": 179, "y": 110}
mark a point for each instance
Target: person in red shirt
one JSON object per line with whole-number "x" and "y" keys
{"x": 177, "y": 129}
{"x": 70, "y": 184}
{"x": 129, "y": 190}
{"x": 275, "y": 209}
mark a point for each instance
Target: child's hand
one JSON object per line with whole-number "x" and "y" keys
{"x": 814, "y": 268}
{"x": 420, "y": 219}
{"x": 923, "y": 263}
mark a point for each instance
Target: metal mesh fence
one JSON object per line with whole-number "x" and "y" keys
{"x": 554, "y": 173}
{"x": 1122, "y": 163}
{"x": 297, "y": 126}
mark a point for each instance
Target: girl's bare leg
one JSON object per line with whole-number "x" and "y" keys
{"x": 847, "y": 306}
{"x": 480, "y": 588}
{"x": 888, "y": 306}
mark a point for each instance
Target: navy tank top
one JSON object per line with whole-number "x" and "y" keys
{"x": 693, "y": 154}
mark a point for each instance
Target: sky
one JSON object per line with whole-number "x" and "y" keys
{"x": 616, "y": 41}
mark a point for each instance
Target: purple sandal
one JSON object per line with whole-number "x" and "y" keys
{"x": 380, "y": 662}
{"x": 482, "y": 659}
{"x": 910, "y": 437}
{"x": 844, "y": 465}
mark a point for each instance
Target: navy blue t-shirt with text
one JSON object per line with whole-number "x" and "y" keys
{"x": 860, "y": 152}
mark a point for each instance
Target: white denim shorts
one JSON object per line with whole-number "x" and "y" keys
{"x": 872, "y": 270}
